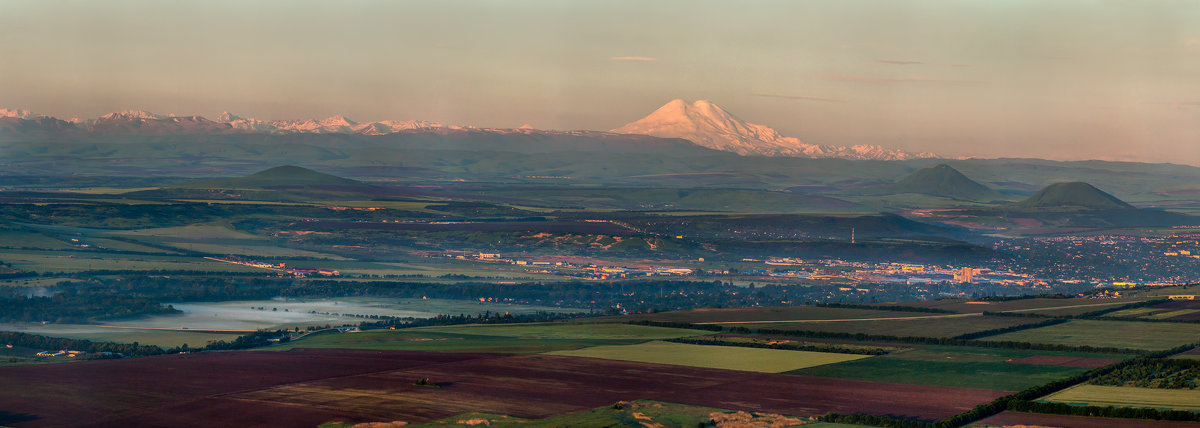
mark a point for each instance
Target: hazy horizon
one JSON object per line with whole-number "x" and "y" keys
{"x": 1062, "y": 80}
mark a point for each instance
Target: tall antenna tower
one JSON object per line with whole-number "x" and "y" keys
{"x": 851, "y": 235}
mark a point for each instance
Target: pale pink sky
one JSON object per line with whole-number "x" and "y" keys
{"x": 1055, "y": 79}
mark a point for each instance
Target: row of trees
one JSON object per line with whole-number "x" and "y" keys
{"x": 58, "y": 343}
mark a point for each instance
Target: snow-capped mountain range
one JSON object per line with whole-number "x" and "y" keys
{"x": 708, "y": 125}
{"x": 702, "y": 123}
{"x": 146, "y": 123}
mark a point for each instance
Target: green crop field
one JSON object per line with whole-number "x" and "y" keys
{"x": 23, "y": 239}
{"x": 241, "y": 248}
{"x": 507, "y": 338}
{"x": 1037, "y": 305}
{"x": 568, "y": 331}
{"x": 48, "y": 261}
{"x": 1118, "y": 334}
{"x": 787, "y": 313}
{"x": 924, "y": 326}
{"x": 1132, "y": 313}
{"x": 163, "y": 338}
{"x": 1126, "y": 396}
{"x": 959, "y": 366}
{"x": 717, "y": 357}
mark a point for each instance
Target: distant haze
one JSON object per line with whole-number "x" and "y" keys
{"x": 1116, "y": 80}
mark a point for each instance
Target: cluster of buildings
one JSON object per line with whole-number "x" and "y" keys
{"x": 584, "y": 271}
{"x": 907, "y": 273}
{"x": 62, "y": 353}
{"x": 281, "y": 267}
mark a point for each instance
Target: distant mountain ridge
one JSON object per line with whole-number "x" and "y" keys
{"x": 334, "y": 133}
{"x": 708, "y": 125}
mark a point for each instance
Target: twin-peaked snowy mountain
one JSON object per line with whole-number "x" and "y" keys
{"x": 701, "y": 123}
{"x": 708, "y": 125}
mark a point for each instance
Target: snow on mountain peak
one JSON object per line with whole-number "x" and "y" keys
{"x": 709, "y": 125}
{"x": 17, "y": 113}
{"x": 337, "y": 120}
{"x": 132, "y": 114}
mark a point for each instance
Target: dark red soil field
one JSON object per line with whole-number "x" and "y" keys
{"x": 307, "y": 387}
{"x": 537, "y": 386}
{"x": 91, "y": 392}
{"x": 1065, "y": 421}
{"x": 1179, "y": 304}
{"x": 1065, "y": 361}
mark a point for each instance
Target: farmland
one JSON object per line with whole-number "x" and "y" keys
{"x": 620, "y": 414}
{"x": 309, "y": 387}
{"x": 806, "y": 313}
{"x": 923, "y": 326}
{"x": 1056, "y": 307}
{"x": 1127, "y": 396}
{"x": 497, "y": 338}
{"x": 535, "y": 386}
{"x": 1001, "y": 369}
{"x": 1117, "y": 334}
{"x": 163, "y": 338}
{"x": 1035, "y": 419}
{"x": 1179, "y": 310}
{"x": 717, "y": 357}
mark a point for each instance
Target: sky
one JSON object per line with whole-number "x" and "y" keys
{"x": 1062, "y": 79}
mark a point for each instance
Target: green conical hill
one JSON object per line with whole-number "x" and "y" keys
{"x": 945, "y": 181}
{"x": 280, "y": 177}
{"x": 1073, "y": 195}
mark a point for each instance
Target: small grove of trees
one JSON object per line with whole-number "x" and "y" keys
{"x": 1167, "y": 374}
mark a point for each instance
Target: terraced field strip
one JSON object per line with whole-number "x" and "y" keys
{"x": 1128, "y": 396}
{"x": 710, "y": 356}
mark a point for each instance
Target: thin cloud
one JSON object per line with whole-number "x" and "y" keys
{"x": 891, "y": 80}
{"x": 899, "y": 61}
{"x": 1181, "y": 105}
{"x": 800, "y": 97}
{"x": 633, "y": 58}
